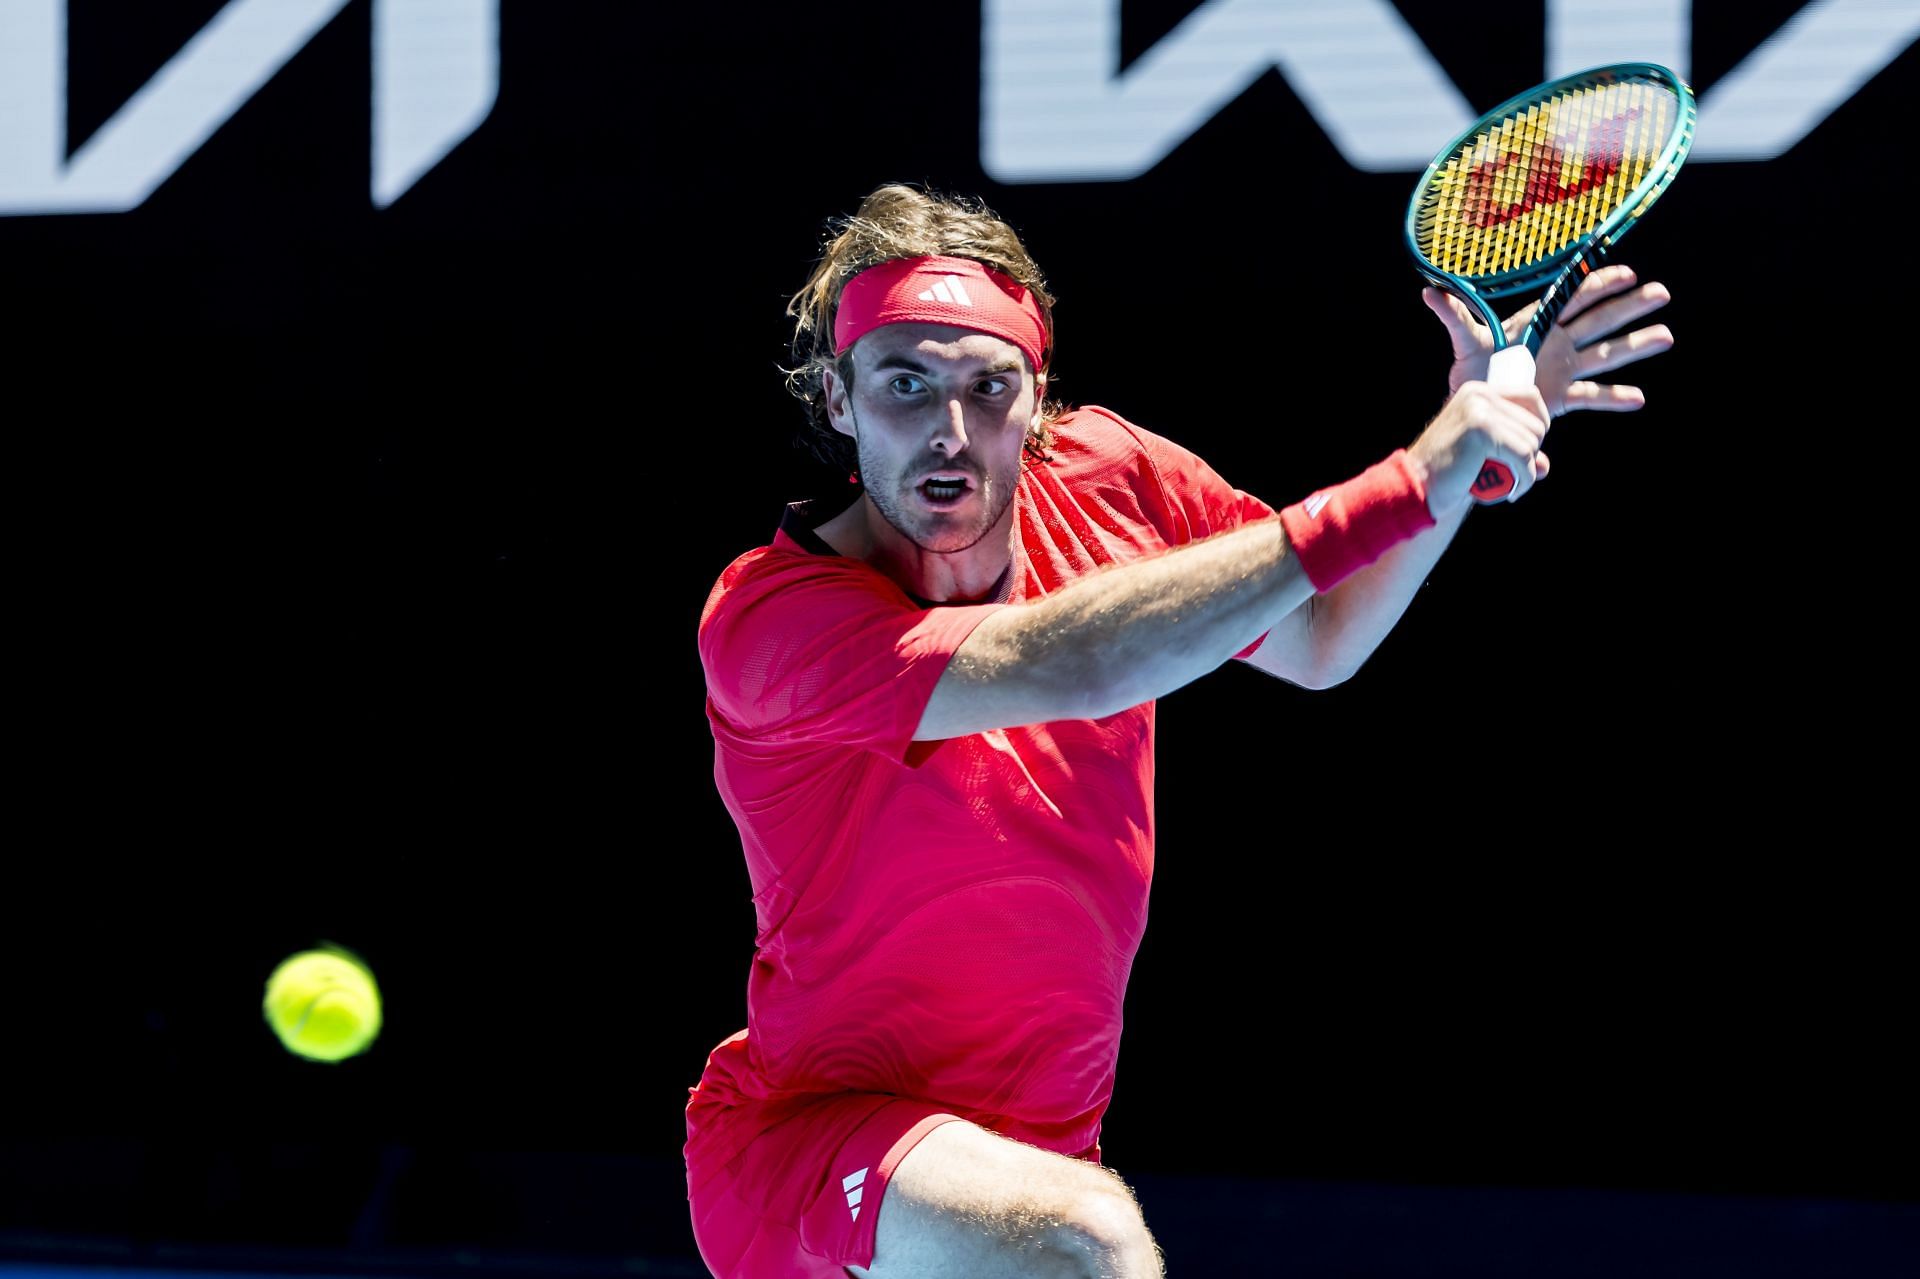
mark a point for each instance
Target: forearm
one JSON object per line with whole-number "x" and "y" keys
{"x": 1123, "y": 636}
{"x": 1348, "y": 622}
{"x": 1151, "y": 627}
{"x": 1137, "y": 632}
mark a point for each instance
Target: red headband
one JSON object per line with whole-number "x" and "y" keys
{"x": 957, "y": 291}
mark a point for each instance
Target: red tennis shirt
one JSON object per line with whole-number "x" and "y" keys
{"x": 949, "y": 921}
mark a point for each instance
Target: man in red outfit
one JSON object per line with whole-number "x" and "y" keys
{"x": 932, "y": 707}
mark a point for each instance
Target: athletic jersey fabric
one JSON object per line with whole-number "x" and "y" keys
{"x": 949, "y": 921}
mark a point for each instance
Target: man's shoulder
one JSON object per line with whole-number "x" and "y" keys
{"x": 1095, "y": 424}
{"x": 781, "y": 560}
{"x": 790, "y": 575}
{"x": 1091, "y": 436}
{"x": 1094, "y": 444}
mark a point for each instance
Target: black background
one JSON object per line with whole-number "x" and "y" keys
{"x": 357, "y": 556}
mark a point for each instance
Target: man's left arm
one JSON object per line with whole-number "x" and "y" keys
{"x": 1325, "y": 641}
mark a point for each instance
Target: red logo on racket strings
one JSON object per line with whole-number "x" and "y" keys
{"x": 1606, "y": 150}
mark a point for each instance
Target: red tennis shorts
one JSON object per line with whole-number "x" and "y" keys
{"x": 800, "y": 1199}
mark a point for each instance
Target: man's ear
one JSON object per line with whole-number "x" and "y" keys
{"x": 1039, "y": 401}
{"x": 839, "y": 414}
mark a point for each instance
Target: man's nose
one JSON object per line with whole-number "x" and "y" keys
{"x": 950, "y": 432}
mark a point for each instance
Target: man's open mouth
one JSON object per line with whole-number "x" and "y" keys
{"x": 943, "y": 489}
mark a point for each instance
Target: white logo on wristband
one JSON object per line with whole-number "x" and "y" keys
{"x": 1314, "y": 503}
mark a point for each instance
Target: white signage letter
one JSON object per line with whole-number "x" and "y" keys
{"x": 1818, "y": 59}
{"x": 1056, "y": 106}
{"x": 435, "y": 78}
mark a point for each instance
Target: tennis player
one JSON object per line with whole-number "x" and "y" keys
{"x": 932, "y": 704}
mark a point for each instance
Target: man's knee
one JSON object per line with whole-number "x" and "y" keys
{"x": 1104, "y": 1225}
{"x": 966, "y": 1203}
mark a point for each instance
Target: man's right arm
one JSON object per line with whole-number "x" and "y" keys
{"x": 1120, "y": 637}
{"x": 1133, "y": 633}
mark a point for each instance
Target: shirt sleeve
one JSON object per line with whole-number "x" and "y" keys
{"x": 808, "y": 648}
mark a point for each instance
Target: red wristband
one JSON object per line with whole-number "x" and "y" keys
{"x": 1340, "y": 530}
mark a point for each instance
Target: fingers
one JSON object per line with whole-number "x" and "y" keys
{"x": 1526, "y": 471}
{"x": 1607, "y": 282}
{"x": 1481, "y": 424}
{"x": 1604, "y": 397}
{"x": 1533, "y": 469}
{"x": 1463, "y": 326}
{"x": 1598, "y": 339}
{"x": 1611, "y": 353}
{"x": 1448, "y": 307}
{"x": 1612, "y": 311}
{"x": 1516, "y": 422}
{"x": 1603, "y": 357}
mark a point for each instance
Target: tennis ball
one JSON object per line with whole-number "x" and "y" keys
{"x": 323, "y": 1004}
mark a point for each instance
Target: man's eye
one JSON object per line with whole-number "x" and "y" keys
{"x": 994, "y": 386}
{"x": 904, "y": 385}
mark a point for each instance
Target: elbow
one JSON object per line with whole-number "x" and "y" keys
{"x": 1325, "y": 671}
{"x": 1318, "y": 682}
{"x": 1331, "y": 676}
{"x": 1330, "y": 662}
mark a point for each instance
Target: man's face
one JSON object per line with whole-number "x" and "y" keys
{"x": 940, "y": 415}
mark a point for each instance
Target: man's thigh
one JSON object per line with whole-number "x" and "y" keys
{"x": 798, "y": 1200}
{"x": 967, "y": 1204}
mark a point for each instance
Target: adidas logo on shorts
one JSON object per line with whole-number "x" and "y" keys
{"x": 851, "y": 1185}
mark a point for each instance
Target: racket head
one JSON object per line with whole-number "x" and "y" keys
{"x": 1561, "y": 170}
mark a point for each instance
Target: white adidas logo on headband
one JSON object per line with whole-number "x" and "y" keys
{"x": 948, "y": 290}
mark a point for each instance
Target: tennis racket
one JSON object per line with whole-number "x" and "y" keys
{"x": 1531, "y": 198}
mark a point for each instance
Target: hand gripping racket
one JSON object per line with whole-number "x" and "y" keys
{"x": 1532, "y": 197}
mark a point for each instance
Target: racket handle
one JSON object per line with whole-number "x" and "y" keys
{"x": 1509, "y": 366}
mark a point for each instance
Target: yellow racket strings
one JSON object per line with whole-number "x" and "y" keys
{"x": 1541, "y": 179}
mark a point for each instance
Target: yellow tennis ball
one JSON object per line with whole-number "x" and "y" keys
{"x": 323, "y": 1004}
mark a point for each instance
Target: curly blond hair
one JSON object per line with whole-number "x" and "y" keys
{"x": 899, "y": 221}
